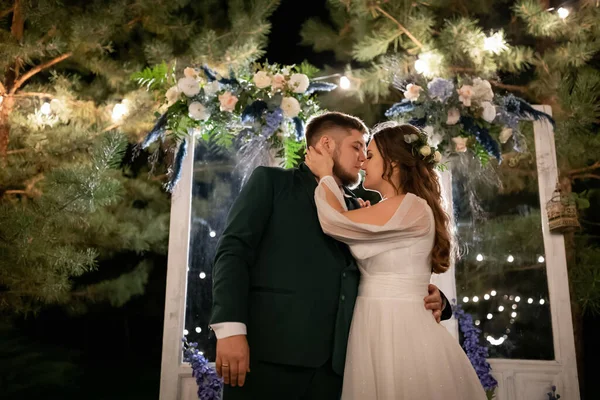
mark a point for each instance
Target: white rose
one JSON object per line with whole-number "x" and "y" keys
{"x": 261, "y": 79}
{"x": 299, "y": 83}
{"x": 412, "y": 92}
{"x": 482, "y": 90}
{"x": 505, "y": 134}
{"x": 453, "y": 116}
{"x": 437, "y": 156}
{"x": 413, "y": 137}
{"x": 211, "y": 88}
{"x": 198, "y": 112}
{"x": 189, "y": 86}
{"x": 278, "y": 82}
{"x": 290, "y": 107}
{"x": 489, "y": 111}
{"x": 172, "y": 95}
{"x": 425, "y": 151}
{"x": 228, "y": 101}
{"x": 190, "y": 72}
{"x": 464, "y": 95}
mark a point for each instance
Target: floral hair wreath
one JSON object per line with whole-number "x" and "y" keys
{"x": 420, "y": 147}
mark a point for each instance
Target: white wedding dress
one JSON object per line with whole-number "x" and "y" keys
{"x": 396, "y": 349}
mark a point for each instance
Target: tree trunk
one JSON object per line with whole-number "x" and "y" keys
{"x": 5, "y": 109}
{"x": 576, "y": 311}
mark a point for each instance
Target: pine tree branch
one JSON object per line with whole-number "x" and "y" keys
{"x": 585, "y": 169}
{"x": 18, "y": 151}
{"x": 401, "y": 27}
{"x": 18, "y": 22}
{"x": 512, "y": 88}
{"x": 37, "y": 69}
{"x": 33, "y": 94}
{"x": 2, "y": 89}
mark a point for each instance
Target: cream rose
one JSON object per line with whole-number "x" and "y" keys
{"x": 261, "y": 79}
{"x": 228, "y": 101}
{"x": 189, "y": 86}
{"x": 453, "y": 116}
{"x": 464, "y": 95}
{"x": 299, "y": 83}
{"x": 489, "y": 111}
{"x": 425, "y": 151}
{"x": 290, "y": 107}
{"x": 482, "y": 90}
{"x": 198, "y": 112}
{"x": 505, "y": 135}
{"x": 413, "y": 137}
{"x": 460, "y": 144}
{"x": 412, "y": 92}
{"x": 172, "y": 95}
{"x": 190, "y": 72}
{"x": 437, "y": 156}
{"x": 278, "y": 82}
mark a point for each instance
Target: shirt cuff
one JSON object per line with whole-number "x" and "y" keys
{"x": 225, "y": 329}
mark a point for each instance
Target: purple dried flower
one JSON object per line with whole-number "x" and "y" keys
{"x": 210, "y": 384}
{"x": 440, "y": 89}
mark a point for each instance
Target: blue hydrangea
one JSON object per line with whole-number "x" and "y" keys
{"x": 272, "y": 122}
{"x": 440, "y": 89}
{"x": 477, "y": 353}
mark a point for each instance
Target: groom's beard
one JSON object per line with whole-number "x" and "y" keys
{"x": 346, "y": 178}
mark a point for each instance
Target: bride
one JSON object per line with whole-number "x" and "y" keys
{"x": 396, "y": 350}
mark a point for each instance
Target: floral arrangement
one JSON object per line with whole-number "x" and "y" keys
{"x": 267, "y": 101}
{"x": 477, "y": 353}
{"x": 210, "y": 385}
{"x": 469, "y": 115}
{"x": 421, "y": 146}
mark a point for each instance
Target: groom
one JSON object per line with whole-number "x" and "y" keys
{"x": 283, "y": 291}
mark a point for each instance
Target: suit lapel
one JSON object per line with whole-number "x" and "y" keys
{"x": 309, "y": 182}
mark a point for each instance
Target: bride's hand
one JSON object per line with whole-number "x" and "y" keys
{"x": 319, "y": 161}
{"x": 364, "y": 204}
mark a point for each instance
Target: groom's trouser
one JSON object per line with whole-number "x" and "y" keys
{"x": 267, "y": 381}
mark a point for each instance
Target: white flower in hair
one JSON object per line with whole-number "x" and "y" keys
{"x": 299, "y": 83}
{"x": 198, "y": 112}
{"x": 290, "y": 107}
{"x": 189, "y": 86}
{"x": 261, "y": 79}
{"x": 425, "y": 151}
{"x": 413, "y": 137}
{"x": 437, "y": 156}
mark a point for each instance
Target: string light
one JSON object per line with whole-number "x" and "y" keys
{"x": 517, "y": 299}
{"x": 495, "y": 43}
{"x": 501, "y": 308}
{"x": 541, "y": 259}
{"x": 486, "y": 296}
{"x": 46, "y": 109}
{"x": 530, "y": 300}
{"x": 493, "y": 292}
{"x": 344, "y": 83}
{"x": 495, "y": 342}
{"x": 542, "y": 301}
{"x": 465, "y": 299}
{"x": 477, "y": 322}
{"x": 120, "y": 110}
{"x": 202, "y": 275}
{"x": 510, "y": 259}
{"x": 514, "y": 315}
{"x": 514, "y": 306}
{"x": 562, "y": 12}
{"x": 479, "y": 257}
{"x": 475, "y": 299}
{"x": 186, "y": 332}
{"x": 198, "y": 329}
{"x": 212, "y": 234}
{"x": 490, "y": 316}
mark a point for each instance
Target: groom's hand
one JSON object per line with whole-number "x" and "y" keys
{"x": 433, "y": 302}
{"x": 233, "y": 359}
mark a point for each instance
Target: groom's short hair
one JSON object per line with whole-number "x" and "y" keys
{"x": 317, "y": 126}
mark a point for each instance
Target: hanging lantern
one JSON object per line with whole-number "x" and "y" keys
{"x": 562, "y": 212}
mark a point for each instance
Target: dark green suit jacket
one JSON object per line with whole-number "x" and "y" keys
{"x": 277, "y": 272}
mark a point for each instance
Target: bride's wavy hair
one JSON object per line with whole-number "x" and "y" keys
{"x": 419, "y": 177}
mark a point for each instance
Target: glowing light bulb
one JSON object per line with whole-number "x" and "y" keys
{"x": 46, "y": 109}
{"x": 514, "y": 315}
{"x": 541, "y": 259}
{"x": 198, "y": 329}
{"x": 344, "y": 83}
{"x": 185, "y": 332}
{"x": 202, "y": 275}
{"x": 530, "y": 300}
{"x": 465, "y": 299}
{"x": 514, "y": 306}
{"x": 475, "y": 299}
{"x": 212, "y": 234}
{"x": 542, "y": 301}
{"x": 510, "y": 258}
{"x": 493, "y": 292}
{"x": 119, "y": 111}
{"x": 490, "y": 316}
{"x": 495, "y": 43}
{"x": 562, "y": 12}
{"x": 479, "y": 257}
{"x": 486, "y": 296}
{"x": 477, "y": 322}
{"x": 517, "y": 299}
{"x": 501, "y": 308}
